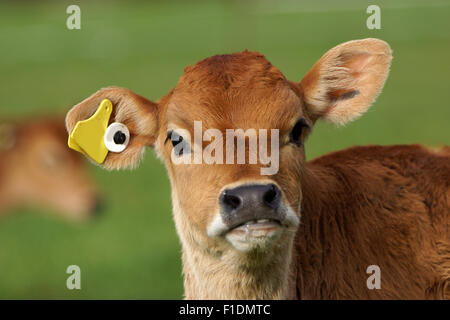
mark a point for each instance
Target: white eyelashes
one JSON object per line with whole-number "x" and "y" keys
{"x": 116, "y": 137}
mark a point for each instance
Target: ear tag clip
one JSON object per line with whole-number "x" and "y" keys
{"x": 116, "y": 137}
{"x": 88, "y": 135}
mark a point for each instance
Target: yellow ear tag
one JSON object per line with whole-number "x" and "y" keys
{"x": 88, "y": 135}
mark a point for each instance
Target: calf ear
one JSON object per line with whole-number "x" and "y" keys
{"x": 137, "y": 113}
{"x": 343, "y": 84}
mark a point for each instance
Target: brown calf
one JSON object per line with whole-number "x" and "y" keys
{"x": 240, "y": 230}
{"x": 37, "y": 169}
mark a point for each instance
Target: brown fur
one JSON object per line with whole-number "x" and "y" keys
{"x": 376, "y": 205}
{"x": 387, "y": 206}
{"x": 37, "y": 169}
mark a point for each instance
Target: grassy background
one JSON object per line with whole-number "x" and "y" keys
{"x": 133, "y": 251}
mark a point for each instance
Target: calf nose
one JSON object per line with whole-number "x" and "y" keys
{"x": 251, "y": 201}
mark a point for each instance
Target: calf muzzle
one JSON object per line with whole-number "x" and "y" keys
{"x": 250, "y": 203}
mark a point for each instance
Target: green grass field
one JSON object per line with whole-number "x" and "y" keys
{"x": 132, "y": 251}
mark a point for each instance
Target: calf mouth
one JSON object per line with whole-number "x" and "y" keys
{"x": 256, "y": 227}
{"x": 255, "y": 234}
{"x": 253, "y": 223}
{"x": 257, "y": 231}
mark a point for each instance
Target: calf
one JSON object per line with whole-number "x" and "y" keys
{"x": 37, "y": 169}
{"x": 311, "y": 229}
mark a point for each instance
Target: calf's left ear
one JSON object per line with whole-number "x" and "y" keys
{"x": 138, "y": 114}
{"x": 343, "y": 84}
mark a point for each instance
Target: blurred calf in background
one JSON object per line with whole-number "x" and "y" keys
{"x": 38, "y": 169}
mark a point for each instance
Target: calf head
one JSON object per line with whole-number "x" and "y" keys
{"x": 234, "y": 208}
{"x": 38, "y": 169}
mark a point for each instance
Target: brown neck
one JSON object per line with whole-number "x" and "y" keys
{"x": 331, "y": 234}
{"x": 237, "y": 276}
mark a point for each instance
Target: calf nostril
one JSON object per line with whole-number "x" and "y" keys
{"x": 271, "y": 195}
{"x": 231, "y": 200}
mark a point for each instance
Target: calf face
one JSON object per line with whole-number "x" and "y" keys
{"x": 38, "y": 169}
{"x": 233, "y": 207}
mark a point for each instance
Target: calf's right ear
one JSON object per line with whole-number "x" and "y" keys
{"x": 343, "y": 84}
{"x": 137, "y": 113}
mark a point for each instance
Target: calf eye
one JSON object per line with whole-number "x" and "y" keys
{"x": 296, "y": 134}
